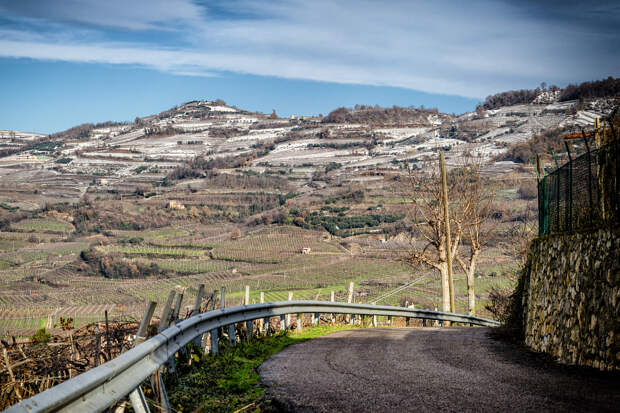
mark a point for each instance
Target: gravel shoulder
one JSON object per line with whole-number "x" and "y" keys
{"x": 429, "y": 369}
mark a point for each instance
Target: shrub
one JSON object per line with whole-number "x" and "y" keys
{"x": 41, "y": 336}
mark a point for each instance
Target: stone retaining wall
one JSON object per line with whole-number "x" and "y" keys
{"x": 571, "y": 298}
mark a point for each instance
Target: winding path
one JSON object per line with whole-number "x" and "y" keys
{"x": 429, "y": 369}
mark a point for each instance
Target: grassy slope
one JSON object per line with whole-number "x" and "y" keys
{"x": 230, "y": 381}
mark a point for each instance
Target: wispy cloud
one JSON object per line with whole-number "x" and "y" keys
{"x": 467, "y": 48}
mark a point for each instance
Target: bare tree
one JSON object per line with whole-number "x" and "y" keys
{"x": 470, "y": 214}
{"x": 478, "y": 226}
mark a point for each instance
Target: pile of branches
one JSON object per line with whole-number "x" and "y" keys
{"x": 30, "y": 368}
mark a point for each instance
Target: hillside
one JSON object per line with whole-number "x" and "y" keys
{"x": 103, "y": 216}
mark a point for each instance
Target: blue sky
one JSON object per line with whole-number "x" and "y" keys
{"x": 65, "y": 63}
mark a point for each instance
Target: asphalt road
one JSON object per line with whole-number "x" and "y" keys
{"x": 429, "y": 369}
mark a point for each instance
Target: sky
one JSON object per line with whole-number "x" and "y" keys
{"x": 63, "y": 63}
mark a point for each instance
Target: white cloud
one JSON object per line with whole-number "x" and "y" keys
{"x": 469, "y": 48}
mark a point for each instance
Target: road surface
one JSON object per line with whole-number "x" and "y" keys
{"x": 429, "y": 369}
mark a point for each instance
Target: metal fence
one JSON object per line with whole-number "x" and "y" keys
{"x": 583, "y": 193}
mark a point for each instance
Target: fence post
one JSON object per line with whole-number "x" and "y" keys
{"x": 332, "y": 298}
{"x": 300, "y": 319}
{"x": 164, "y": 321}
{"x": 223, "y": 297}
{"x": 374, "y": 320}
{"x": 196, "y": 310}
{"x": 585, "y": 139}
{"x": 177, "y": 307}
{"x": 247, "y": 295}
{"x": 261, "y": 322}
{"x": 288, "y": 316}
{"x": 315, "y": 319}
{"x": 570, "y": 187}
{"x": 283, "y": 322}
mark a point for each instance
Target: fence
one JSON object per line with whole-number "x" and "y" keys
{"x": 583, "y": 193}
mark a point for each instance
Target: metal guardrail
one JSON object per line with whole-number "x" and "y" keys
{"x": 101, "y": 387}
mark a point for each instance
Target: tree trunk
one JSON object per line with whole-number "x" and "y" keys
{"x": 470, "y": 283}
{"x": 445, "y": 287}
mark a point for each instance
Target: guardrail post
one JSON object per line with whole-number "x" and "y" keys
{"x": 374, "y": 320}
{"x": 266, "y": 321}
{"x": 156, "y": 380}
{"x": 138, "y": 401}
{"x": 352, "y": 319}
{"x": 407, "y": 321}
{"x": 232, "y": 339}
{"x": 389, "y": 320}
{"x": 315, "y": 319}
{"x": 332, "y": 298}
{"x": 282, "y": 322}
{"x": 300, "y": 320}
{"x": 249, "y": 326}
{"x": 214, "y": 344}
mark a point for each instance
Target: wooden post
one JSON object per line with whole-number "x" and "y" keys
{"x": 196, "y": 310}
{"x": 164, "y": 321}
{"x": 177, "y": 308}
{"x": 300, "y": 320}
{"x": 223, "y": 297}
{"x": 446, "y": 217}
{"x": 249, "y": 326}
{"x": 144, "y": 323}
{"x": 288, "y": 316}
{"x": 198, "y": 302}
{"x": 349, "y": 300}
{"x": 107, "y": 336}
{"x": 247, "y": 295}
{"x": 261, "y": 322}
{"x": 332, "y": 298}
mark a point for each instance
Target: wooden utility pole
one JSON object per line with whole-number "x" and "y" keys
{"x": 446, "y": 216}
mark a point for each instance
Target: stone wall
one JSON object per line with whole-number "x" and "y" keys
{"x": 571, "y": 299}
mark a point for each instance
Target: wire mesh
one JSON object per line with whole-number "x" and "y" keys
{"x": 582, "y": 193}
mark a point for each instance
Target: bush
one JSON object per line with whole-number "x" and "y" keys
{"x": 41, "y": 336}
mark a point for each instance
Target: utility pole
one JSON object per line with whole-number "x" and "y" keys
{"x": 446, "y": 215}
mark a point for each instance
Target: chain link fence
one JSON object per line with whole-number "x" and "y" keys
{"x": 583, "y": 193}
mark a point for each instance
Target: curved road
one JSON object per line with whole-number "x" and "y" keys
{"x": 428, "y": 369}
